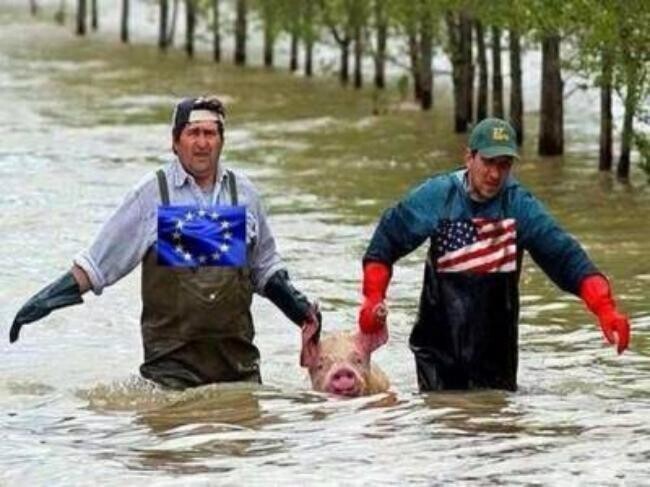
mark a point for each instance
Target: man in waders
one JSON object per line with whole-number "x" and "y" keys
{"x": 479, "y": 221}
{"x": 202, "y": 236}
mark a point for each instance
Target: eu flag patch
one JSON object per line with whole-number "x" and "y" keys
{"x": 193, "y": 236}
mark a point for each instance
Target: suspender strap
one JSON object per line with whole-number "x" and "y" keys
{"x": 162, "y": 187}
{"x": 164, "y": 190}
{"x": 232, "y": 186}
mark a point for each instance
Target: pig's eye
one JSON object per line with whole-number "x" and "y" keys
{"x": 357, "y": 360}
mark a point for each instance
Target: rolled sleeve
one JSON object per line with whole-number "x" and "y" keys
{"x": 120, "y": 244}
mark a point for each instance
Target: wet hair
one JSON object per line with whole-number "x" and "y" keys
{"x": 183, "y": 109}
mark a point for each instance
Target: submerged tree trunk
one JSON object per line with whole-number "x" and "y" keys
{"x": 162, "y": 24}
{"x": 459, "y": 33}
{"x": 81, "y": 18}
{"x": 551, "y": 126}
{"x": 309, "y": 38}
{"x": 497, "y": 76}
{"x": 309, "y": 58}
{"x": 516, "y": 86}
{"x": 605, "y": 153}
{"x": 216, "y": 32}
{"x": 623, "y": 167}
{"x": 426, "y": 58}
{"x": 414, "y": 55}
{"x": 467, "y": 67}
{"x": 382, "y": 34}
{"x": 269, "y": 39}
{"x": 482, "y": 101}
{"x": 94, "y": 21}
{"x": 240, "y": 33}
{"x": 344, "y": 71}
{"x": 632, "y": 78}
{"x": 293, "y": 51}
{"x": 190, "y": 25}
{"x": 124, "y": 22}
{"x": 172, "y": 26}
{"x": 358, "y": 57}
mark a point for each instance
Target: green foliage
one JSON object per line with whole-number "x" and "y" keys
{"x": 642, "y": 143}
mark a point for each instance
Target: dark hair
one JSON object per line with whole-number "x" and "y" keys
{"x": 184, "y": 108}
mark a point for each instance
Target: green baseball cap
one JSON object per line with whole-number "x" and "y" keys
{"x": 493, "y": 137}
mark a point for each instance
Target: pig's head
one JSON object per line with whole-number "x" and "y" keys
{"x": 340, "y": 363}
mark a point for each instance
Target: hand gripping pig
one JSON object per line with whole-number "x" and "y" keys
{"x": 340, "y": 363}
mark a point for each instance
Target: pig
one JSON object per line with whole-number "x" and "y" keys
{"x": 340, "y": 364}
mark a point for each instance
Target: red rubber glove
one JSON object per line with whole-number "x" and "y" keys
{"x": 597, "y": 295}
{"x": 372, "y": 315}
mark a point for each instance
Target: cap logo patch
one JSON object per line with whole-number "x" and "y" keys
{"x": 499, "y": 134}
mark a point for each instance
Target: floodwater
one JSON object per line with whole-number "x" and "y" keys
{"x": 83, "y": 121}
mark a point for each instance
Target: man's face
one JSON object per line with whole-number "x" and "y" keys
{"x": 198, "y": 148}
{"x": 486, "y": 175}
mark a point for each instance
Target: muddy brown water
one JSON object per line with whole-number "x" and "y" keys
{"x": 81, "y": 122}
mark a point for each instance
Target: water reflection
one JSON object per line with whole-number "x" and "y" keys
{"x": 473, "y": 412}
{"x": 210, "y": 422}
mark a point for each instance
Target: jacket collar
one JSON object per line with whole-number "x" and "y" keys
{"x": 459, "y": 178}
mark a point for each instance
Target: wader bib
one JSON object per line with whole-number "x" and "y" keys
{"x": 465, "y": 336}
{"x": 196, "y": 322}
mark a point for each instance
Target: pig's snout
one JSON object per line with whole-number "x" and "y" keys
{"x": 344, "y": 381}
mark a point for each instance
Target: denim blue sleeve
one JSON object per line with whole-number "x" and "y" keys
{"x": 556, "y": 252}
{"x": 408, "y": 224}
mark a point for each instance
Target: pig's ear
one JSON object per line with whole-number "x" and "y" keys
{"x": 309, "y": 350}
{"x": 369, "y": 342}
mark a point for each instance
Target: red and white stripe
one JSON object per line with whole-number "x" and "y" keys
{"x": 494, "y": 251}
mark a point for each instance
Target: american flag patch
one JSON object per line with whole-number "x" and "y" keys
{"x": 478, "y": 245}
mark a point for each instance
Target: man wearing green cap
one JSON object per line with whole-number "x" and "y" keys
{"x": 479, "y": 221}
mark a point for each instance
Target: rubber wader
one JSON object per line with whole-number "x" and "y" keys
{"x": 465, "y": 336}
{"x": 196, "y": 322}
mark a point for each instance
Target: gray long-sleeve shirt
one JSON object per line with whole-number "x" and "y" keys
{"x": 131, "y": 230}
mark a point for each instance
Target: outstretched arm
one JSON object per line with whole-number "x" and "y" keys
{"x": 596, "y": 293}
{"x": 110, "y": 257}
{"x": 567, "y": 264}
{"x": 65, "y": 291}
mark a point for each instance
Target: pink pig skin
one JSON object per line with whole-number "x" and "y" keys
{"x": 340, "y": 364}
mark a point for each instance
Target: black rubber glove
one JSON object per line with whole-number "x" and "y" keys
{"x": 62, "y": 292}
{"x": 291, "y": 302}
